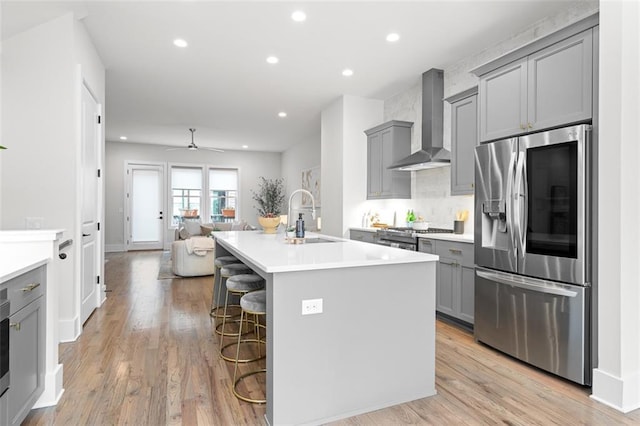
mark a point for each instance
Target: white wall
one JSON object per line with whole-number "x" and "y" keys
{"x": 616, "y": 381}
{"x": 344, "y": 160}
{"x": 41, "y": 127}
{"x": 251, "y": 166}
{"x": 302, "y": 156}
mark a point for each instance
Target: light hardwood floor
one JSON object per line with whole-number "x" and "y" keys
{"x": 148, "y": 357}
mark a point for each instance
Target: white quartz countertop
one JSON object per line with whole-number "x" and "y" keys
{"x": 18, "y": 253}
{"x": 271, "y": 253}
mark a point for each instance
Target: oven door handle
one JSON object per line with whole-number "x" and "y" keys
{"x": 537, "y": 285}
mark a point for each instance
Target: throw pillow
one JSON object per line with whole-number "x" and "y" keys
{"x": 206, "y": 229}
{"x": 183, "y": 233}
{"x": 192, "y": 226}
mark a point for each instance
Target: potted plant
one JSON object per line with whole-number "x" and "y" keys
{"x": 269, "y": 199}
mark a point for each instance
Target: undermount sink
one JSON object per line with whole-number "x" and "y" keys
{"x": 315, "y": 240}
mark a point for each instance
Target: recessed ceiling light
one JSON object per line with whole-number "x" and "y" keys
{"x": 347, "y": 72}
{"x": 282, "y": 114}
{"x": 180, "y": 42}
{"x": 393, "y": 37}
{"x": 299, "y": 16}
{"x": 123, "y": 138}
{"x": 245, "y": 146}
{"x": 273, "y": 60}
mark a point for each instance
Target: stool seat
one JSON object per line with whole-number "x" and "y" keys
{"x": 234, "y": 269}
{"x": 245, "y": 282}
{"x": 255, "y": 302}
{"x": 225, "y": 260}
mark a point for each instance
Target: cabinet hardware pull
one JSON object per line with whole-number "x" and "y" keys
{"x": 455, "y": 251}
{"x": 15, "y": 325}
{"x": 30, "y": 287}
{"x": 86, "y": 235}
{"x": 522, "y": 127}
{"x": 530, "y": 125}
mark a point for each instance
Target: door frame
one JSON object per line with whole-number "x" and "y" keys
{"x": 127, "y": 200}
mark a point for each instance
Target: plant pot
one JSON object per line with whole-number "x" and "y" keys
{"x": 269, "y": 224}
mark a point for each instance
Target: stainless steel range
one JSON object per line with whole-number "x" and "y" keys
{"x": 405, "y": 238}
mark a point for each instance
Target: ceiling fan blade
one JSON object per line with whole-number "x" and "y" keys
{"x": 211, "y": 149}
{"x": 173, "y": 149}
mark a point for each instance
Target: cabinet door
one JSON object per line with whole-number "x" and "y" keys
{"x": 464, "y": 138}
{"x": 387, "y": 158}
{"x": 374, "y": 166}
{"x": 445, "y": 287}
{"x": 467, "y": 294}
{"x": 503, "y": 96}
{"x": 560, "y": 83}
{"x": 26, "y": 363}
{"x": 367, "y": 237}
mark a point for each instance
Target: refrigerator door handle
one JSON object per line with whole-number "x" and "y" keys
{"x": 519, "y": 201}
{"x": 537, "y": 285}
{"x": 509, "y": 194}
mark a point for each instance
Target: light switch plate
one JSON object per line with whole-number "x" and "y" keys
{"x": 311, "y": 306}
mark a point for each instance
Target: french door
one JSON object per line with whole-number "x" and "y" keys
{"x": 145, "y": 206}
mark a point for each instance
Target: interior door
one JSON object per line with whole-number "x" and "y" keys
{"x": 145, "y": 206}
{"x": 89, "y": 288}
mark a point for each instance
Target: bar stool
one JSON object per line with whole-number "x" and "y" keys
{"x": 218, "y": 263}
{"x": 238, "y": 285}
{"x": 227, "y": 271}
{"x": 253, "y": 303}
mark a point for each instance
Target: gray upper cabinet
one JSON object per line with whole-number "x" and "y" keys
{"x": 549, "y": 87}
{"x": 464, "y": 138}
{"x": 560, "y": 83}
{"x": 503, "y": 97}
{"x": 386, "y": 144}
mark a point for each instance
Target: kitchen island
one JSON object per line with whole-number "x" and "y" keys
{"x": 373, "y": 344}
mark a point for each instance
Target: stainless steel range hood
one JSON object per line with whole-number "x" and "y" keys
{"x": 432, "y": 154}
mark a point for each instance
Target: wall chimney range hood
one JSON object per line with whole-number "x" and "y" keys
{"x": 432, "y": 154}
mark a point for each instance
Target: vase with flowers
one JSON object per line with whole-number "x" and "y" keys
{"x": 269, "y": 198}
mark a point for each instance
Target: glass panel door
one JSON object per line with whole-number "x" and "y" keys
{"x": 552, "y": 201}
{"x": 146, "y": 200}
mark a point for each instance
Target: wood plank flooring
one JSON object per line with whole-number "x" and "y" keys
{"x": 148, "y": 357}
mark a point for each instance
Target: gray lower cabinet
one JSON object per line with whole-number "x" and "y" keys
{"x": 548, "y": 88}
{"x": 386, "y": 144}
{"x": 26, "y": 343}
{"x": 366, "y": 236}
{"x": 464, "y": 138}
{"x": 454, "y": 277}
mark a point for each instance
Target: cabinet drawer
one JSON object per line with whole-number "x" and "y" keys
{"x": 367, "y": 237}
{"x": 25, "y": 288}
{"x": 426, "y": 246}
{"x": 461, "y": 252}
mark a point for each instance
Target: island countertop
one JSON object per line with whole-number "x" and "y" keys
{"x": 333, "y": 363}
{"x": 272, "y": 253}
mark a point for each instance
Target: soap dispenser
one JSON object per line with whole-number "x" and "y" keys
{"x": 300, "y": 227}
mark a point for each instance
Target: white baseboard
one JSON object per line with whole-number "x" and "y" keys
{"x": 69, "y": 329}
{"x": 114, "y": 248}
{"x": 53, "y": 389}
{"x": 623, "y": 394}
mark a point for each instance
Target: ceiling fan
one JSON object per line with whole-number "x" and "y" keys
{"x": 193, "y": 147}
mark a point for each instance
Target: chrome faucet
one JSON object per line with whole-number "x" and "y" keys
{"x": 313, "y": 205}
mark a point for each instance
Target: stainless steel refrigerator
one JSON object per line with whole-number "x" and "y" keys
{"x": 532, "y": 249}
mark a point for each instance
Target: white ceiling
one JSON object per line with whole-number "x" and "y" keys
{"x": 222, "y": 85}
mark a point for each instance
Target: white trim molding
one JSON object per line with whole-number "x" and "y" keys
{"x": 621, "y": 393}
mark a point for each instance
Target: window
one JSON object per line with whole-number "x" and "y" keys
{"x": 223, "y": 194}
{"x": 207, "y": 200}
{"x": 186, "y": 193}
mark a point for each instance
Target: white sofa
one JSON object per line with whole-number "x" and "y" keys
{"x": 187, "y": 264}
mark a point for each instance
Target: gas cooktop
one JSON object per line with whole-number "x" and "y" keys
{"x": 407, "y": 230}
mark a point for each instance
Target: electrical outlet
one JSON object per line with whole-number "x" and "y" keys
{"x": 311, "y": 306}
{"x": 34, "y": 222}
